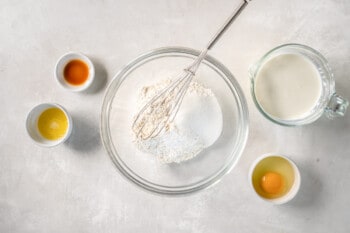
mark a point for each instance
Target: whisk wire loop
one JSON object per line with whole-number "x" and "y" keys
{"x": 161, "y": 110}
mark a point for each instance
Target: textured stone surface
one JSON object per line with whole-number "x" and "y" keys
{"x": 75, "y": 188}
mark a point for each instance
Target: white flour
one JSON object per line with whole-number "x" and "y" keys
{"x": 197, "y": 125}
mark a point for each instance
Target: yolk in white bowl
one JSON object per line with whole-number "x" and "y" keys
{"x": 273, "y": 177}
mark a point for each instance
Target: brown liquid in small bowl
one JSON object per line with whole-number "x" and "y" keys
{"x": 76, "y": 72}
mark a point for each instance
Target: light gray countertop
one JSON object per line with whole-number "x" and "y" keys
{"x": 75, "y": 187}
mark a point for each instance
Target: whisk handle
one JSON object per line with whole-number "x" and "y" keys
{"x": 227, "y": 24}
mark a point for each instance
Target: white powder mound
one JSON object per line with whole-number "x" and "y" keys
{"x": 173, "y": 146}
{"x": 198, "y": 124}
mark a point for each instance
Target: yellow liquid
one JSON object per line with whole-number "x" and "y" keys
{"x": 52, "y": 124}
{"x": 276, "y": 165}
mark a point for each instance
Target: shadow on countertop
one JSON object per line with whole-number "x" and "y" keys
{"x": 100, "y": 81}
{"x": 85, "y": 135}
{"x": 310, "y": 189}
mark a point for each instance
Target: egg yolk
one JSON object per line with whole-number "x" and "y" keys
{"x": 272, "y": 183}
{"x": 52, "y": 124}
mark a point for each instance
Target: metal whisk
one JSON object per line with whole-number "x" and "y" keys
{"x": 161, "y": 110}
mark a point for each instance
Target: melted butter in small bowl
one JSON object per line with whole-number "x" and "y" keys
{"x": 49, "y": 124}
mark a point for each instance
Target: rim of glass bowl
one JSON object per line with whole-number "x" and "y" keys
{"x": 302, "y": 121}
{"x": 202, "y": 184}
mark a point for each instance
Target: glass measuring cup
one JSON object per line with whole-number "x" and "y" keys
{"x": 328, "y": 103}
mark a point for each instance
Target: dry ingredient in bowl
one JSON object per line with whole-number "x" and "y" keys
{"x": 198, "y": 124}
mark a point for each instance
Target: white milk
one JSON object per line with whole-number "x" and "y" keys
{"x": 288, "y": 86}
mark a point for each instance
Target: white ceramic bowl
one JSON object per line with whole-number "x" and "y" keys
{"x": 32, "y": 125}
{"x": 293, "y": 190}
{"x": 61, "y": 64}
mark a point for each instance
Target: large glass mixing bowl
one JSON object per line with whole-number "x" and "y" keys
{"x": 144, "y": 170}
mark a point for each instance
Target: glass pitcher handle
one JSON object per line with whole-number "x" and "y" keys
{"x": 252, "y": 71}
{"x": 336, "y": 107}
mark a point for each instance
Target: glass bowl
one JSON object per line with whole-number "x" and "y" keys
{"x": 144, "y": 170}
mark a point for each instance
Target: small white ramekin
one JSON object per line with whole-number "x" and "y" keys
{"x": 61, "y": 64}
{"x": 33, "y": 130}
{"x": 294, "y": 189}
